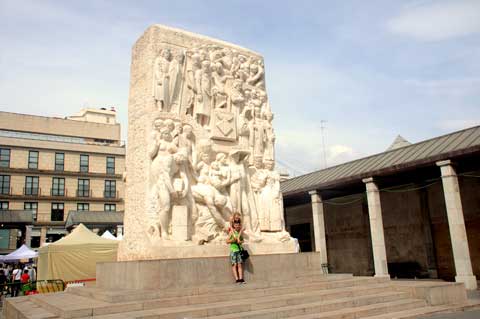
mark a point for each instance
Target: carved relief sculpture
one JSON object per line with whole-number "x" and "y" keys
{"x": 201, "y": 151}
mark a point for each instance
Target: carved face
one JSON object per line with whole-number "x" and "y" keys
{"x": 206, "y": 66}
{"x": 187, "y": 130}
{"x": 180, "y": 57}
{"x": 253, "y": 68}
{"x": 205, "y": 157}
{"x": 169, "y": 125}
{"x": 166, "y": 54}
{"x": 258, "y": 162}
{"x": 178, "y": 127}
{"x": 269, "y": 164}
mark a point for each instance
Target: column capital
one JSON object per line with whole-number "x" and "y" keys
{"x": 368, "y": 180}
{"x": 315, "y": 196}
{"x": 444, "y": 163}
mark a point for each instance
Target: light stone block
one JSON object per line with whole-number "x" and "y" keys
{"x": 200, "y": 136}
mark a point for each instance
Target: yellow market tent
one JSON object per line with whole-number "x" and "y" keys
{"x": 74, "y": 257}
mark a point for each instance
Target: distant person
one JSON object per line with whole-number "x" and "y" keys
{"x": 25, "y": 278}
{"x": 16, "y": 280}
{"x": 3, "y": 281}
{"x": 235, "y": 239}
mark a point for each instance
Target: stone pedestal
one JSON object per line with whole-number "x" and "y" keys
{"x": 456, "y": 224}
{"x": 197, "y": 272}
{"x": 319, "y": 226}
{"x": 376, "y": 228}
{"x": 181, "y": 225}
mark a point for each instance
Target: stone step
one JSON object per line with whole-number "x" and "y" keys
{"x": 366, "y": 311}
{"x": 424, "y": 311}
{"x": 273, "y": 297}
{"x": 255, "y": 288}
{"x": 79, "y": 306}
{"x": 271, "y": 294}
{"x": 271, "y": 308}
{"x": 131, "y": 294}
{"x": 23, "y": 307}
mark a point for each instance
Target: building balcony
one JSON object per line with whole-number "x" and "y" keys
{"x": 110, "y": 194}
{"x": 84, "y": 193}
{"x": 31, "y": 191}
{"x": 38, "y": 194}
{"x": 58, "y": 192}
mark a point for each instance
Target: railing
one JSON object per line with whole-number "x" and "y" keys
{"x": 110, "y": 194}
{"x": 14, "y": 289}
{"x": 84, "y": 193}
{"x": 31, "y": 191}
{"x": 61, "y": 193}
{"x": 58, "y": 192}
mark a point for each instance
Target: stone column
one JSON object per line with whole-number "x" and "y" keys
{"x": 28, "y": 235}
{"x": 456, "y": 224}
{"x": 319, "y": 226}
{"x": 43, "y": 236}
{"x": 376, "y": 228}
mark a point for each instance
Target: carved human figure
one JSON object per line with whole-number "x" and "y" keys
{"x": 203, "y": 109}
{"x": 182, "y": 184}
{"x": 218, "y": 90}
{"x": 177, "y": 79}
{"x": 256, "y": 75}
{"x": 161, "y": 80}
{"x": 162, "y": 169}
{"x": 220, "y": 176}
{"x": 269, "y": 153}
{"x": 271, "y": 200}
{"x": 257, "y": 134}
{"x": 241, "y": 194}
{"x": 193, "y": 83}
{"x": 237, "y": 98}
{"x": 186, "y": 140}
{"x": 258, "y": 180}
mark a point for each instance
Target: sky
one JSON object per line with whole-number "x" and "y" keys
{"x": 370, "y": 70}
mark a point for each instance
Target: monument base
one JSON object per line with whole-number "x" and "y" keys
{"x": 187, "y": 249}
{"x": 292, "y": 285}
{"x": 195, "y": 272}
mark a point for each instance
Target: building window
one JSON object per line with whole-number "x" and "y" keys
{"x": 59, "y": 161}
{"x": 33, "y": 159}
{"x": 57, "y": 212}
{"x": 3, "y": 205}
{"x": 83, "y": 206}
{"x": 33, "y": 206}
{"x": 110, "y": 165}
{"x": 5, "y": 184}
{"x": 58, "y": 186}
{"x": 4, "y": 157}
{"x": 83, "y": 163}
{"x": 83, "y": 188}
{"x": 110, "y": 189}
{"x": 31, "y": 185}
{"x": 110, "y": 207}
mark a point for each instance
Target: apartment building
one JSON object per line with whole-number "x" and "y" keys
{"x": 51, "y": 166}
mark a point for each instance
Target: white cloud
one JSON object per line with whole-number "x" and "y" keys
{"x": 438, "y": 20}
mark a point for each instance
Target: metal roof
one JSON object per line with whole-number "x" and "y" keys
{"x": 93, "y": 218}
{"x": 16, "y": 216}
{"x": 442, "y": 147}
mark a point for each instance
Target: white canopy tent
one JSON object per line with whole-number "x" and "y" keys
{"x": 108, "y": 235}
{"x": 24, "y": 252}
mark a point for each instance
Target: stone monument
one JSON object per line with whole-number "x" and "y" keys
{"x": 201, "y": 147}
